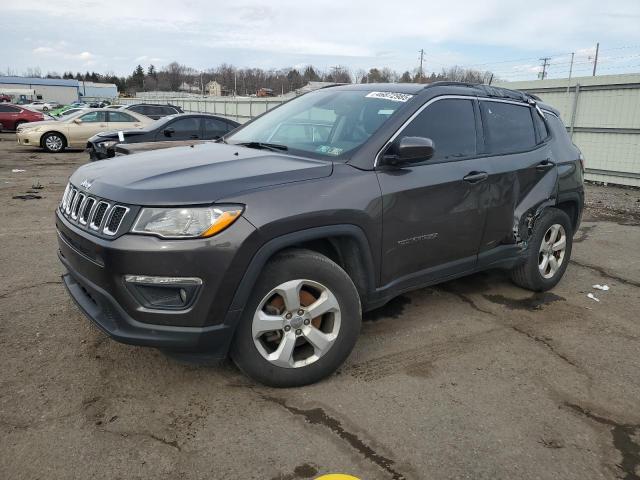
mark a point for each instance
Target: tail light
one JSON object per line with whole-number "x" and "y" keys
{"x": 581, "y": 161}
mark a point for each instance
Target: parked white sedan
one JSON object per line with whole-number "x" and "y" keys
{"x": 40, "y": 106}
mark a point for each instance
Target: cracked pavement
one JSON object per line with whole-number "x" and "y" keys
{"x": 474, "y": 378}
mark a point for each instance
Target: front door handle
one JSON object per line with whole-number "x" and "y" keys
{"x": 544, "y": 165}
{"x": 476, "y": 177}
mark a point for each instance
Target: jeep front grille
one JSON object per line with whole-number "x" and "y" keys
{"x": 96, "y": 214}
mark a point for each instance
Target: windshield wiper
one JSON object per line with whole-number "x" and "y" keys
{"x": 265, "y": 146}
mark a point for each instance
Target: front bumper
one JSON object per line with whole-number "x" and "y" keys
{"x": 28, "y": 138}
{"x": 95, "y": 280}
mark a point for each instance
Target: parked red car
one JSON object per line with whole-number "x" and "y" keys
{"x": 5, "y": 98}
{"x": 13, "y": 115}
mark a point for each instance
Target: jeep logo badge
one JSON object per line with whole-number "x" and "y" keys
{"x": 86, "y": 184}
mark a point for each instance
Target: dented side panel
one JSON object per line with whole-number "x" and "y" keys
{"x": 516, "y": 188}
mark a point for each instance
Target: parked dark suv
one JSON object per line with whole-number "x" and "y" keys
{"x": 269, "y": 245}
{"x": 153, "y": 110}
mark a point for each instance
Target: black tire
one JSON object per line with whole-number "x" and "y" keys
{"x": 528, "y": 275}
{"x": 51, "y": 136}
{"x": 291, "y": 265}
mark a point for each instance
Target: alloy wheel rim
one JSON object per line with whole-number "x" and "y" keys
{"x": 296, "y": 323}
{"x": 54, "y": 143}
{"x": 552, "y": 250}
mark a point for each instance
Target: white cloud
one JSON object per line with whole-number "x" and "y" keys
{"x": 337, "y": 31}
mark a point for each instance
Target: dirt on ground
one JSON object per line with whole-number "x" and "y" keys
{"x": 474, "y": 378}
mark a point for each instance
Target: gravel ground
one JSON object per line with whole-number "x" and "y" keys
{"x": 474, "y": 378}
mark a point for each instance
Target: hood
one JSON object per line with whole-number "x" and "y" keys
{"x": 114, "y": 134}
{"x": 40, "y": 123}
{"x": 197, "y": 174}
{"x": 126, "y": 133}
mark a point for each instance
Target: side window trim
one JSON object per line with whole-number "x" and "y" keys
{"x": 414, "y": 115}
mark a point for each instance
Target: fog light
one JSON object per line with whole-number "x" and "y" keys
{"x": 168, "y": 293}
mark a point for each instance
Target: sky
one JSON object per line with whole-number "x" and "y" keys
{"x": 507, "y": 37}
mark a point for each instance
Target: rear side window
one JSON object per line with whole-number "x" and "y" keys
{"x": 543, "y": 134}
{"x": 508, "y": 127}
{"x": 8, "y": 109}
{"x": 168, "y": 110}
{"x": 450, "y": 123}
{"x": 214, "y": 128}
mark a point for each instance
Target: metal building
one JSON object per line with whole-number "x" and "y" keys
{"x": 97, "y": 91}
{"x": 602, "y": 115}
{"x": 47, "y": 89}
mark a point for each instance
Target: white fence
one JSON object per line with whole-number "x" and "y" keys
{"x": 239, "y": 109}
{"x": 602, "y": 115}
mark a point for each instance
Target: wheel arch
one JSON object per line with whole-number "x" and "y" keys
{"x": 347, "y": 245}
{"x": 571, "y": 205}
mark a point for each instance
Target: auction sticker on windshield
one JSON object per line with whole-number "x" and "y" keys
{"x": 394, "y": 96}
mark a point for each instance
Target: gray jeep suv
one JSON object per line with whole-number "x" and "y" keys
{"x": 268, "y": 245}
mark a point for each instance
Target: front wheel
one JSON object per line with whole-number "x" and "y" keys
{"x": 54, "y": 142}
{"x": 548, "y": 253}
{"x": 301, "y": 322}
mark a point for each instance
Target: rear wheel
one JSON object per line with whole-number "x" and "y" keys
{"x": 18, "y": 123}
{"x": 54, "y": 142}
{"x": 548, "y": 253}
{"x": 301, "y": 322}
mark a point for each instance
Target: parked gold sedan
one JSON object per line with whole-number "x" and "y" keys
{"x": 73, "y": 132}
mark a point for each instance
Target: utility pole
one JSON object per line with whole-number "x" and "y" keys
{"x": 595, "y": 60}
{"x": 421, "y": 60}
{"x": 545, "y": 64}
{"x": 570, "y": 71}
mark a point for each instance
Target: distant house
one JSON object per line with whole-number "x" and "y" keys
{"x": 265, "y": 92}
{"x": 214, "y": 89}
{"x": 186, "y": 87}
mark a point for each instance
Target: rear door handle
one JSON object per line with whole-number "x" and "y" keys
{"x": 545, "y": 165}
{"x": 476, "y": 177}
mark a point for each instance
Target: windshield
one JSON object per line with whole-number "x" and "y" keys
{"x": 326, "y": 123}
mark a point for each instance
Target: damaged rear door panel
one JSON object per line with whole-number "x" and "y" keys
{"x": 523, "y": 171}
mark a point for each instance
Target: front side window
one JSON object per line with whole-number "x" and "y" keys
{"x": 325, "y": 123}
{"x": 508, "y": 127}
{"x": 450, "y": 124}
{"x": 185, "y": 125}
{"x": 121, "y": 117}
{"x": 94, "y": 117}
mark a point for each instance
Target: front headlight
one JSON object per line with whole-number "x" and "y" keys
{"x": 108, "y": 144}
{"x": 186, "y": 222}
{"x": 28, "y": 129}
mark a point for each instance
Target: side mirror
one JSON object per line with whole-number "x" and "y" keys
{"x": 168, "y": 132}
{"x": 410, "y": 150}
{"x": 77, "y": 121}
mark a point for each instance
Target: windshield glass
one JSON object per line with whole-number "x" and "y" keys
{"x": 326, "y": 123}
